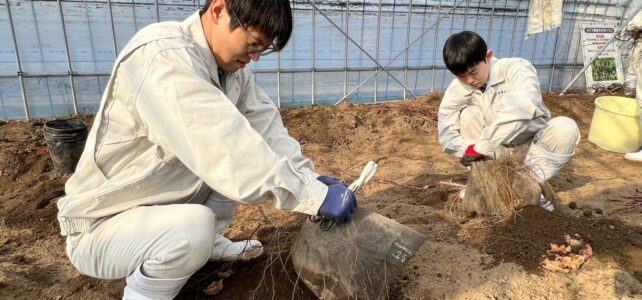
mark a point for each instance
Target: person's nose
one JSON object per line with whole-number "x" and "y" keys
{"x": 470, "y": 80}
{"x": 255, "y": 56}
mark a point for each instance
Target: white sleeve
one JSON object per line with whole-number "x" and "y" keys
{"x": 523, "y": 102}
{"x": 186, "y": 114}
{"x": 448, "y": 122}
{"x": 265, "y": 118}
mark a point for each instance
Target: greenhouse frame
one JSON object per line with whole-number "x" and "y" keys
{"x": 57, "y": 64}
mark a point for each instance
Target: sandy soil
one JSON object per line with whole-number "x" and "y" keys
{"x": 458, "y": 261}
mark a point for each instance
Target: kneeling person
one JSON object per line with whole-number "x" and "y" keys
{"x": 181, "y": 137}
{"x": 495, "y": 104}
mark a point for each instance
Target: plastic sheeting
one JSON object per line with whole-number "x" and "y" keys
{"x": 544, "y": 15}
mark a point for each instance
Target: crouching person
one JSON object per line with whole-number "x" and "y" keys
{"x": 495, "y": 104}
{"x": 181, "y": 136}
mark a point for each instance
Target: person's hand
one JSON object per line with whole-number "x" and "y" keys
{"x": 470, "y": 156}
{"x": 328, "y": 180}
{"x": 339, "y": 203}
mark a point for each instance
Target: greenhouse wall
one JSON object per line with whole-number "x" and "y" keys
{"x": 56, "y": 56}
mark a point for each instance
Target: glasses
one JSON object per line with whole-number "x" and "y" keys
{"x": 255, "y": 47}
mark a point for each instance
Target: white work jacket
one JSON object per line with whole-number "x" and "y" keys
{"x": 512, "y": 98}
{"x": 168, "y": 130}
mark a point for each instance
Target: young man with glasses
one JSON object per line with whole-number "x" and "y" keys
{"x": 182, "y": 135}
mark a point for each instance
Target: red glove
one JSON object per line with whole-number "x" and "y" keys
{"x": 471, "y": 156}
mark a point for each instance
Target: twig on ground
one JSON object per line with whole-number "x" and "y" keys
{"x": 419, "y": 188}
{"x": 636, "y": 202}
{"x": 425, "y": 187}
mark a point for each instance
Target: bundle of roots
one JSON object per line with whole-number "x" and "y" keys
{"x": 497, "y": 188}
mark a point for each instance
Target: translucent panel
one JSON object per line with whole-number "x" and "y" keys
{"x": 40, "y": 36}
{"x": 388, "y": 88}
{"x": 88, "y": 93}
{"x": 80, "y": 36}
{"x": 143, "y": 14}
{"x": 11, "y": 103}
{"x": 544, "y": 48}
{"x": 7, "y": 50}
{"x": 125, "y": 25}
{"x": 328, "y": 87}
{"x": 362, "y": 30}
{"x": 291, "y": 93}
{"x": 329, "y": 41}
{"x": 268, "y": 82}
{"x": 169, "y": 10}
{"x": 422, "y": 81}
{"x": 365, "y": 94}
{"x": 382, "y": 32}
{"x": 49, "y": 96}
{"x": 544, "y": 76}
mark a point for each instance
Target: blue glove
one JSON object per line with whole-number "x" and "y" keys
{"x": 328, "y": 180}
{"x": 339, "y": 204}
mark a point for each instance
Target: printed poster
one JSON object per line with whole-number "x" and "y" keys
{"x": 606, "y": 70}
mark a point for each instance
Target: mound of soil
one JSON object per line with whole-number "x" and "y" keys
{"x": 517, "y": 242}
{"x": 413, "y": 181}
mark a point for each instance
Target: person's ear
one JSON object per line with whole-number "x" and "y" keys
{"x": 489, "y": 55}
{"x": 216, "y": 9}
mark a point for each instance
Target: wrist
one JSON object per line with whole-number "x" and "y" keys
{"x": 483, "y": 148}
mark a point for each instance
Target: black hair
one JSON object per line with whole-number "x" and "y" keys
{"x": 463, "y": 51}
{"x": 272, "y": 17}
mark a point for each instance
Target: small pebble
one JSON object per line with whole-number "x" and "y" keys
{"x": 598, "y": 211}
{"x": 588, "y": 213}
{"x": 612, "y": 227}
{"x": 572, "y": 205}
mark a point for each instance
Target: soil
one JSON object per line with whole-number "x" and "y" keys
{"x": 459, "y": 260}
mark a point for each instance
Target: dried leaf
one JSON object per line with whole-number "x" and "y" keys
{"x": 567, "y": 257}
{"x": 572, "y": 262}
{"x": 214, "y": 288}
{"x": 573, "y": 241}
{"x": 554, "y": 266}
{"x": 555, "y": 248}
{"x": 587, "y": 251}
{"x": 225, "y": 274}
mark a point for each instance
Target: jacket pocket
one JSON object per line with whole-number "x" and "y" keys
{"x": 156, "y": 177}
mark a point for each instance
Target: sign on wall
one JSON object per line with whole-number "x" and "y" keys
{"x": 606, "y": 70}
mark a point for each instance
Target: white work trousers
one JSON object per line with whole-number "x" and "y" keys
{"x": 550, "y": 148}
{"x": 159, "y": 245}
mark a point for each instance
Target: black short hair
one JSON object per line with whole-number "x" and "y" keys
{"x": 272, "y": 17}
{"x": 463, "y": 51}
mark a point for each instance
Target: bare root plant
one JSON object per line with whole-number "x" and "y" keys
{"x": 277, "y": 265}
{"x": 496, "y": 189}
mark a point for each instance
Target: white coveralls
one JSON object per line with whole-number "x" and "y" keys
{"x": 635, "y": 67}
{"x": 508, "y": 113}
{"x": 170, "y": 136}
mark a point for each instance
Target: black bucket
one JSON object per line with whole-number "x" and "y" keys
{"x": 65, "y": 140}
